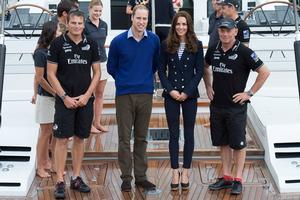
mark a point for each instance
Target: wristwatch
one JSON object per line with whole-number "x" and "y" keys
{"x": 250, "y": 93}
{"x": 63, "y": 96}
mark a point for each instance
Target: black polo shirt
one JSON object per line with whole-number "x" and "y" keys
{"x": 98, "y": 34}
{"x": 73, "y": 63}
{"x": 213, "y": 33}
{"x": 243, "y": 30}
{"x": 40, "y": 60}
{"x": 230, "y": 71}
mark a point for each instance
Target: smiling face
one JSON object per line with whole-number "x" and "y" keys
{"x": 75, "y": 25}
{"x": 95, "y": 12}
{"x": 181, "y": 27}
{"x": 139, "y": 20}
{"x": 227, "y": 36}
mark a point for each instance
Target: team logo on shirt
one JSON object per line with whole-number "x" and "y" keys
{"x": 217, "y": 55}
{"x": 222, "y": 68}
{"x": 233, "y": 57}
{"x": 55, "y": 127}
{"x": 86, "y": 47}
{"x": 246, "y": 34}
{"x": 77, "y": 60}
{"x": 254, "y": 57}
{"x": 67, "y": 47}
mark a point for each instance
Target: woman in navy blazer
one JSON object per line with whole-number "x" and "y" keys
{"x": 180, "y": 71}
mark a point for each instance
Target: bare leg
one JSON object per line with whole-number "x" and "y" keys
{"x": 42, "y": 149}
{"x": 185, "y": 175}
{"x": 175, "y": 176}
{"x": 52, "y": 147}
{"x": 98, "y": 105}
{"x": 226, "y": 156}
{"x": 77, "y": 155}
{"x": 239, "y": 159}
{"x": 60, "y": 157}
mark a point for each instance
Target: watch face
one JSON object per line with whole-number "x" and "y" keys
{"x": 250, "y": 93}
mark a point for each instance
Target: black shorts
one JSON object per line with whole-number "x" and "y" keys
{"x": 228, "y": 126}
{"x": 70, "y": 122}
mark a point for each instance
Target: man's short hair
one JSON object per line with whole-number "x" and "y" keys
{"x": 139, "y": 7}
{"x": 233, "y": 3}
{"x": 64, "y": 6}
{"x": 75, "y": 12}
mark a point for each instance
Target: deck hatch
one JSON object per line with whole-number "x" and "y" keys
{"x": 287, "y": 145}
{"x": 159, "y": 134}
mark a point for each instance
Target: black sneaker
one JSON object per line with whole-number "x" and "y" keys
{"x": 59, "y": 192}
{"x": 237, "y": 188}
{"x": 79, "y": 185}
{"x": 146, "y": 185}
{"x": 220, "y": 184}
{"x": 126, "y": 186}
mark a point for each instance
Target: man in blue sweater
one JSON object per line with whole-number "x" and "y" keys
{"x": 132, "y": 61}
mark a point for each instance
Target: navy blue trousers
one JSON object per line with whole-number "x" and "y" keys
{"x": 189, "y": 111}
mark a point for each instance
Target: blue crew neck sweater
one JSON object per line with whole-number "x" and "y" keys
{"x": 132, "y": 64}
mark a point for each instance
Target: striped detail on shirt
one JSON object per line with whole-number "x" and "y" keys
{"x": 181, "y": 49}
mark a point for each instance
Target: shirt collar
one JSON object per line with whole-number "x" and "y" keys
{"x": 233, "y": 48}
{"x": 68, "y": 39}
{"x": 130, "y": 33}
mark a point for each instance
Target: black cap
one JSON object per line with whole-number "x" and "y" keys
{"x": 219, "y": 1}
{"x": 233, "y": 3}
{"x": 227, "y": 23}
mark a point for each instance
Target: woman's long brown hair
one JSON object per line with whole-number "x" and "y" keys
{"x": 173, "y": 40}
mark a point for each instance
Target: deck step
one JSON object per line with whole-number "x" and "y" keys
{"x": 164, "y": 154}
{"x": 156, "y": 103}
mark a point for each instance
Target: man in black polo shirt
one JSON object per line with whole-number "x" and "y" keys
{"x": 230, "y": 11}
{"x": 70, "y": 58}
{"x": 231, "y": 63}
{"x": 214, "y": 21}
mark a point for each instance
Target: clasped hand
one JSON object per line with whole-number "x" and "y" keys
{"x": 75, "y": 102}
{"x": 178, "y": 96}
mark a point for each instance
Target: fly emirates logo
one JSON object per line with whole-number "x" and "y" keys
{"x": 222, "y": 69}
{"x": 76, "y": 60}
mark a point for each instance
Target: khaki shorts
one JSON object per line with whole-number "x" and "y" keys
{"x": 104, "y": 73}
{"x": 44, "y": 112}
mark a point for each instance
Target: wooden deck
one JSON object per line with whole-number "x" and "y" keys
{"x": 104, "y": 180}
{"x": 106, "y": 144}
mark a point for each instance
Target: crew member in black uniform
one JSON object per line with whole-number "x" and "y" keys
{"x": 231, "y": 63}
{"x": 70, "y": 59}
{"x": 230, "y": 11}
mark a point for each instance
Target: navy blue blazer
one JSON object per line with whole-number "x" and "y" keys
{"x": 182, "y": 75}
